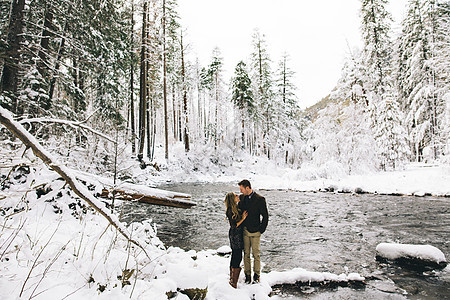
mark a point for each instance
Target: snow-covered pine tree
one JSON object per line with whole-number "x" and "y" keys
{"x": 422, "y": 73}
{"x": 287, "y": 111}
{"x": 212, "y": 80}
{"x": 378, "y": 58}
{"x": 391, "y": 136}
{"x": 261, "y": 77}
{"x": 441, "y": 62}
{"x": 242, "y": 97}
{"x": 377, "y": 45}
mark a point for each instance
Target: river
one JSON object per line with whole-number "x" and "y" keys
{"x": 324, "y": 232}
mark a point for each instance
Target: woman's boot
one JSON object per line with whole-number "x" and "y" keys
{"x": 231, "y": 276}
{"x": 235, "y": 276}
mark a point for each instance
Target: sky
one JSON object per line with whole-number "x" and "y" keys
{"x": 317, "y": 35}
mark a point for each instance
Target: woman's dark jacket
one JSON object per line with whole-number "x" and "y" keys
{"x": 235, "y": 233}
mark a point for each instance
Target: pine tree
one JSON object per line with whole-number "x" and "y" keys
{"x": 286, "y": 108}
{"x": 378, "y": 58}
{"x": 11, "y": 54}
{"x": 377, "y": 45}
{"x": 262, "y": 90}
{"x": 185, "y": 96}
{"x": 212, "y": 80}
{"x": 242, "y": 96}
{"x": 421, "y": 78}
{"x": 391, "y": 136}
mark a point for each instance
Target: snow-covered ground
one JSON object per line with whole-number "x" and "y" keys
{"x": 51, "y": 249}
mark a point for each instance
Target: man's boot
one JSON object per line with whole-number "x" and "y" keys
{"x": 235, "y": 276}
{"x": 255, "y": 278}
{"x": 248, "y": 278}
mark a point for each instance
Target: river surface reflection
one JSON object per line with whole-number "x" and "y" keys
{"x": 336, "y": 233}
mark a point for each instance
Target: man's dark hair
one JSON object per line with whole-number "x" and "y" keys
{"x": 245, "y": 183}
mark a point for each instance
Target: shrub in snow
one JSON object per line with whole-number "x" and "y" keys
{"x": 412, "y": 256}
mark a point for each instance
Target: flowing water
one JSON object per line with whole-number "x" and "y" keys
{"x": 322, "y": 232}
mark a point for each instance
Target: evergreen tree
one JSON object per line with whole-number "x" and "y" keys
{"x": 286, "y": 108}
{"x": 378, "y": 58}
{"x": 422, "y": 77}
{"x": 12, "y": 54}
{"x": 242, "y": 96}
{"x": 391, "y": 136}
{"x": 377, "y": 45}
{"x": 261, "y": 76}
{"x": 212, "y": 80}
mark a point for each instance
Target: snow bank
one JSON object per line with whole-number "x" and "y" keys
{"x": 302, "y": 275}
{"x": 423, "y": 253}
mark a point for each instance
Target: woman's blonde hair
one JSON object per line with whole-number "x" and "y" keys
{"x": 230, "y": 203}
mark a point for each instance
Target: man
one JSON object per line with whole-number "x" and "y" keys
{"x": 256, "y": 207}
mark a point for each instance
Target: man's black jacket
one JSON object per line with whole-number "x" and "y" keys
{"x": 256, "y": 207}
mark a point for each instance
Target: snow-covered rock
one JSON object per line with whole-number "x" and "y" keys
{"x": 420, "y": 256}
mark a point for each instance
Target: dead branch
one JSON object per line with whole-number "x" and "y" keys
{"x": 70, "y": 123}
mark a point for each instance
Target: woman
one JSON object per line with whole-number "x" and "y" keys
{"x": 235, "y": 217}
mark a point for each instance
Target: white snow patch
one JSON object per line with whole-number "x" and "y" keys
{"x": 424, "y": 252}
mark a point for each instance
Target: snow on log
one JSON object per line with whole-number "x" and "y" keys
{"x": 30, "y": 141}
{"x": 301, "y": 277}
{"x": 136, "y": 192}
{"x": 150, "y": 199}
{"x": 413, "y": 256}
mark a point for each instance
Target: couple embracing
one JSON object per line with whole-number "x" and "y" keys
{"x": 248, "y": 218}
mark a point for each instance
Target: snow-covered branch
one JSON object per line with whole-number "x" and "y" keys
{"x": 67, "y": 122}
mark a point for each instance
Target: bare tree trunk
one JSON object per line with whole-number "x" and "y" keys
{"x": 180, "y": 123}
{"x": 174, "y": 113}
{"x": 43, "y": 50}
{"x": 51, "y": 89}
{"x": 166, "y": 117}
{"x": 10, "y": 75}
{"x": 143, "y": 85}
{"x": 132, "y": 119}
{"x": 243, "y": 132}
{"x": 148, "y": 128}
{"x": 147, "y": 87}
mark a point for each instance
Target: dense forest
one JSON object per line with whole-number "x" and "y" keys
{"x": 103, "y": 81}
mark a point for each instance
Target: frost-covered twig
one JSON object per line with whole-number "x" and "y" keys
{"x": 35, "y": 263}
{"x": 48, "y": 268}
{"x": 12, "y": 236}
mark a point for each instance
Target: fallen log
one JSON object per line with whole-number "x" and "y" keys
{"x": 135, "y": 192}
{"x": 177, "y": 200}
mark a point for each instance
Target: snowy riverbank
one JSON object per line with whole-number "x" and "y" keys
{"x": 415, "y": 179}
{"x": 53, "y": 247}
